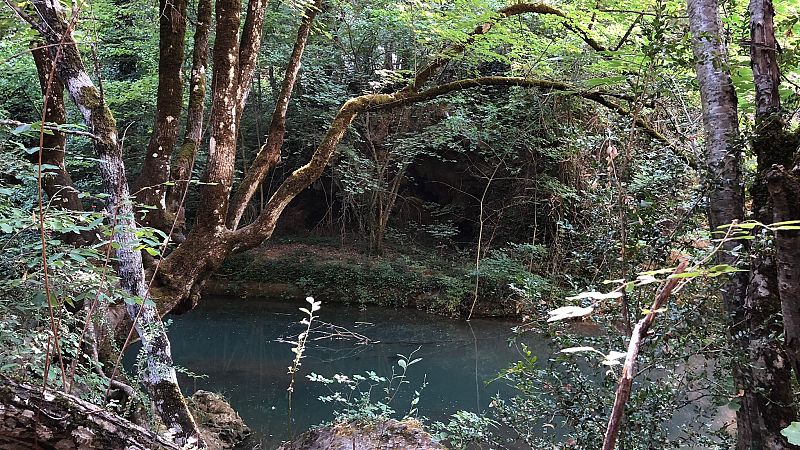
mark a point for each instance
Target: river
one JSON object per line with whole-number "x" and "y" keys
{"x": 235, "y": 344}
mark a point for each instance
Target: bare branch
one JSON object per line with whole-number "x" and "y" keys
{"x": 629, "y": 368}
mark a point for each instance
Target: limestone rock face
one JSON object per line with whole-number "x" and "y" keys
{"x": 384, "y": 435}
{"x": 220, "y": 425}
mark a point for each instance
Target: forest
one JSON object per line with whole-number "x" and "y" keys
{"x": 418, "y": 224}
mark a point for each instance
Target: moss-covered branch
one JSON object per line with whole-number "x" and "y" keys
{"x": 262, "y": 228}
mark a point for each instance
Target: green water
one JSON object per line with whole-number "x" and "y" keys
{"x": 234, "y": 342}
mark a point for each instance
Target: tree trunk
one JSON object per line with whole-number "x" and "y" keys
{"x": 784, "y": 189}
{"x": 774, "y": 149}
{"x": 218, "y": 175}
{"x": 150, "y": 186}
{"x": 183, "y": 162}
{"x": 32, "y": 419}
{"x": 758, "y": 367}
{"x": 159, "y": 377}
{"x": 248, "y": 50}
{"x": 56, "y": 182}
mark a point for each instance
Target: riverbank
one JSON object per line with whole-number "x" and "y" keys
{"x": 425, "y": 279}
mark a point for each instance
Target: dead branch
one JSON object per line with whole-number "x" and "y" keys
{"x": 629, "y": 368}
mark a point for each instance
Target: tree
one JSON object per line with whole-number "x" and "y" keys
{"x": 176, "y": 279}
{"x": 751, "y": 298}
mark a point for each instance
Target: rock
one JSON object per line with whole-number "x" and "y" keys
{"x": 383, "y": 435}
{"x": 219, "y": 424}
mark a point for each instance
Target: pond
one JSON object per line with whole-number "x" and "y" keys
{"x": 239, "y": 347}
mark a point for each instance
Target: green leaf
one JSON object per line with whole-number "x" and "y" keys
{"x": 792, "y": 433}
{"x": 686, "y": 274}
{"x": 566, "y": 312}
{"x": 580, "y": 349}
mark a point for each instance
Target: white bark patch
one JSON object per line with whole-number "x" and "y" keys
{"x": 75, "y": 86}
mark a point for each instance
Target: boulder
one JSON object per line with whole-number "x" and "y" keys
{"x": 381, "y": 435}
{"x": 220, "y": 425}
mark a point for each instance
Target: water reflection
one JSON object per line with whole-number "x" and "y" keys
{"x": 234, "y": 343}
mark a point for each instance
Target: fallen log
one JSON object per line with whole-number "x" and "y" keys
{"x": 33, "y": 419}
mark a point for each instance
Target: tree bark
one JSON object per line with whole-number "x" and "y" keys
{"x": 775, "y": 294}
{"x": 248, "y": 50}
{"x": 625, "y": 384}
{"x": 32, "y": 419}
{"x": 159, "y": 377}
{"x": 56, "y": 181}
{"x": 184, "y": 159}
{"x": 270, "y": 153}
{"x": 749, "y": 301}
{"x": 784, "y": 190}
{"x": 218, "y": 175}
{"x": 774, "y": 148}
{"x": 150, "y": 187}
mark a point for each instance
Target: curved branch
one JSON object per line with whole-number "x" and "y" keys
{"x": 262, "y": 228}
{"x": 595, "y": 96}
{"x": 514, "y": 10}
{"x": 270, "y": 153}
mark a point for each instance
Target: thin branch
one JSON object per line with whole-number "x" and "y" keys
{"x": 629, "y": 368}
{"x": 521, "y": 8}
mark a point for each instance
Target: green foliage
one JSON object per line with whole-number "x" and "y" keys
{"x": 465, "y": 428}
{"x": 792, "y": 433}
{"x": 370, "y": 397}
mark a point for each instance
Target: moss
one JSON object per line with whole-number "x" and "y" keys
{"x": 102, "y": 117}
{"x": 185, "y": 153}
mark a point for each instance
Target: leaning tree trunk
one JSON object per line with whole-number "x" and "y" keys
{"x": 159, "y": 376}
{"x": 184, "y": 159}
{"x": 749, "y": 302}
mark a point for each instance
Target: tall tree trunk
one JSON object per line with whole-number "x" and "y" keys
{"x": 218, "y": 175}
{"x": 151, "y": 184}
{"x": 269, "y": 154}
{"x": 749, "y": 301}
{"x": 56, "y": 181}
{"x": 159, "y": 377}
{"x": 784, "y": 190}
{"x": 184, "y": 159}
{"x": 768, "y": 295}
{"x": 774, "y": 148}
{"x": 248, "y": 50}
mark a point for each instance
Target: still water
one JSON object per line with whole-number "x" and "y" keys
{"x": 236, "y": 345}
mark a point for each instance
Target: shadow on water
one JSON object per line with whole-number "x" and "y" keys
{"x": 234, "y": 343}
